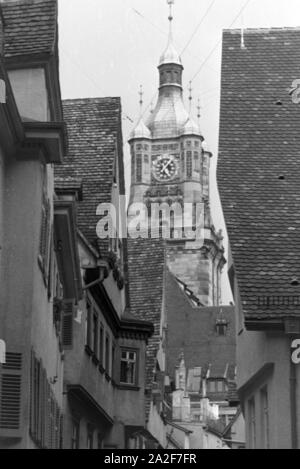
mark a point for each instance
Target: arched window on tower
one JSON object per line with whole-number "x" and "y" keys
{"x": 197, "y": 162}
{"x": 146, "y": 165}
{"x": 138, "y": 168}
{"x": 189, "y": 165}
{"x": 182, "y": 164}
{"x": 132, "y": 166}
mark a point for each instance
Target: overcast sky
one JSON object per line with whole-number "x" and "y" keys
{"x": 111, "y": 47}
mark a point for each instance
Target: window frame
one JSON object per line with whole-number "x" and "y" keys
{"x": 129, "y": 350}
{"x": 75, "y": 425}
{"x": 107, "y": 355}
{"x": 252, "y": 422}
{"x": 90, "y": 436}
{"x": 265, "y": 417}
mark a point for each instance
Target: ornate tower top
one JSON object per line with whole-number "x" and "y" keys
{"x": 169, "y": 115}
{"x": 170, "y": 55}
{"x": 140, "y": 130}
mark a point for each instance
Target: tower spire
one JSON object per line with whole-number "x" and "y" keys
{"x": 170, "y": 56}
{"x": 141, "y": 102}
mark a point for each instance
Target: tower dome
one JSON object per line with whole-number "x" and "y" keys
{"x": 169, "y": 116}
{"x": 140, "y": 131}
{"x": 170, "y": 55}
{"x": 191, "y": 128}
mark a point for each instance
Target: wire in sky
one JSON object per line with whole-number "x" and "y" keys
{"x": 199, "y": 25}
{"x": 218, "y": 43}
{"x": 149, "y": 21}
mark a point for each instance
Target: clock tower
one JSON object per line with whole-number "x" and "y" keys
{"x": 170, "y": 164}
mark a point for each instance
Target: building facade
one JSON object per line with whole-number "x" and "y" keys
{"x": 258, "y": 176}
{"x": 33, "y": 272}
{"x": 104, "y": 372}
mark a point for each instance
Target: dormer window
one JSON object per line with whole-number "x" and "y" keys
{"x": 221, "y": 327}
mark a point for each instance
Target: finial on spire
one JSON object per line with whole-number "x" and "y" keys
{"x": 199, "y": 110}
{"x": 141, "y": 94}
{"x": 190, "y": 95}
{"x": 171, "y": 3}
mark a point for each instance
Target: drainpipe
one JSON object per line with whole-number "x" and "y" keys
{"x": 293, "y": 404}
{"x": 103, "y": 274}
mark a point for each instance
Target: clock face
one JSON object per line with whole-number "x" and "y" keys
{"x": 165, "y": 168}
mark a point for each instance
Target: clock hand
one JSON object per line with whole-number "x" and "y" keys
{"x": 166, "y": 166}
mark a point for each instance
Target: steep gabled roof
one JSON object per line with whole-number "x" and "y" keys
{"x": 146, "y": 267}
{"x": 192, "y": 331}
{"x": 95, "y": 143}
{"x": 30, "y": 27}
{"x": 259, "y": 166}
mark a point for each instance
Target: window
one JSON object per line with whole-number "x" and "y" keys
{"x": 221, "y": 327}
{"x": 107, "y": 358}
{"x": 265, "y": 418}
{"x": 128, "y": 367}
{"x": 189, "y": 164}
{"x": 211, "y": 385}
{"x": 113, "y": 353}
{"x": 45, "y": 237}
{"x": 220, "y": 386}
{"x": 101, "y": 344}
{"x": 45, "y": 414}
{"x": 147, "y": 165}
{"x": 75, "y": 441}
{"x": 90, "y": 437}
{"x": 88, "y": 325}
{"x": 138, "y": 168}
{"x": 197, "y": 162}
{"x": 100, "y": 441}
{"x": 252, "y": 424}
{"x": 133, "y": 166}
{"x": 182, "y": 163}
{"x": 95, "y": 334}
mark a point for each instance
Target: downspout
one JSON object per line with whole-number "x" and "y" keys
{"x": 293, "y": 404}
{"x": 103, "y": 274}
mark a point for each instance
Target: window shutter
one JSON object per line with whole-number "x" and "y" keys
{"x": 45, "y": 238}
{"x": 32, "y": 388}
{"x": 67, "y": 324}
{"x": 11, "y": 396}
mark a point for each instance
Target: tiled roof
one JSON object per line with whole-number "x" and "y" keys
{"x": 94, "y": 132}
{"x": 259, "y": 165}
{"x": 192, "y": 331}
{"x": 146, "y": 263}
{"x": 30, "y": 27}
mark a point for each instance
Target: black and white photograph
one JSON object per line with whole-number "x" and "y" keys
{"x": 149, "y": 227}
